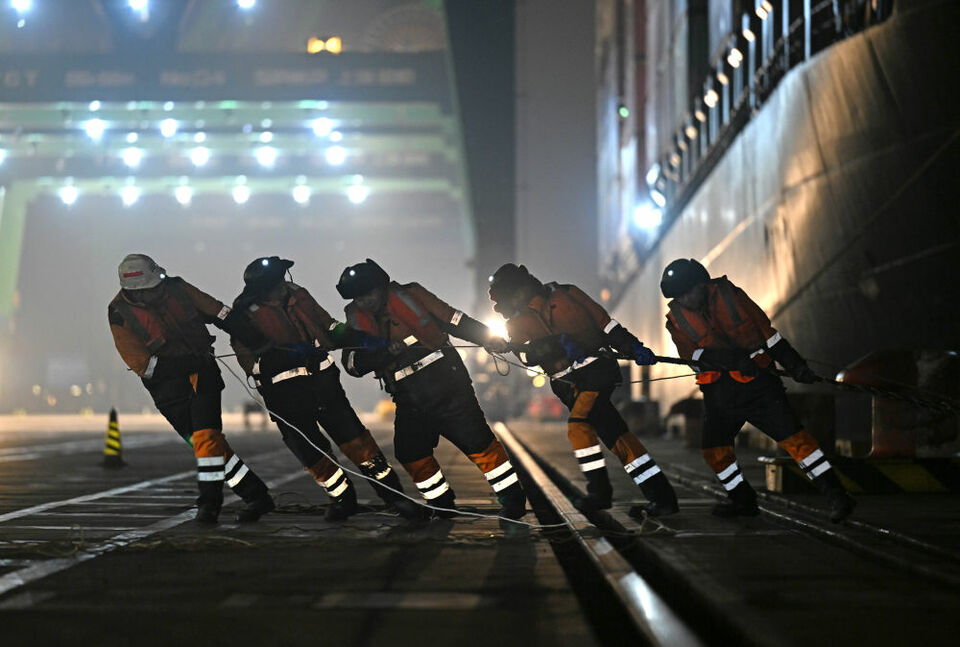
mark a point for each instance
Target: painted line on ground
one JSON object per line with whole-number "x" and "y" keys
{"x": 31, "y": 452}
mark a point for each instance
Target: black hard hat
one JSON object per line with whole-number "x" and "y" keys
{"x": 681, "y": 275}
{"x": 506, "y": 282}
{"x": 262, "y": 274}
{"x": 361, "y": 278}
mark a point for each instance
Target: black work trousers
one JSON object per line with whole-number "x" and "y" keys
{"x": 303, "y": 403}
{"x": 438, "y": 400}
{"x": 601, "y": 377}
{"x": 188, "y": 408}
{"x": 762, "y": 402}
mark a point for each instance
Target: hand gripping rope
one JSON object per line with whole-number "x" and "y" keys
{"x": 458, "y": 512}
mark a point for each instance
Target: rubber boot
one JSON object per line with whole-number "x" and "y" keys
{"x": 343, "y": 506}
{"x": 661, "y": 498}
{"x": 742, "y": 503}
{"x": 446, "y": 500}
{"x": 255, "y": 509}
{"x": 252, "y": 490}
{"x": 599, "y": 492}
{"x": 513, "y": 502}
{"x": 209, "y": 501}
{"x": 387, "y": 485}
{"x": 841, "y": 503}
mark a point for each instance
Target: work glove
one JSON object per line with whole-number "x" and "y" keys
{"x": 788, "y": 357}
{"x": 573, "y": 350}
{"x": 496, "y": 345}
{"x": 642, "y": 355}
{"x": 804, "y": 374}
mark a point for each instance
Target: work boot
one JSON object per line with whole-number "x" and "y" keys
{"x": 661, "y": 496}
{"x": 207, "y": 514}
{"x": 409, "y": 510}
{"x": 841, "y": 505}
{"x": 742, "y": 503}
{"x": 654, "y": 509}
{"x": 599, "y": 492}
{"x": 446, "y": 500}
{"x": 253, "y": 510}
{"x": 343, "y": 506}
{"x": 513, "y": 502}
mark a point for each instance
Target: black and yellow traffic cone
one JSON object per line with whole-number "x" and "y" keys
{"x": 113, "y": 450}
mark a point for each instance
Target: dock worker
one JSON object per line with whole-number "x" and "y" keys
{"x": 572, "y": 338}
{"x": 428, "y": 381}
{"x": 300, "y": 385}
{"x": 715, "y": 322}
{"x": 159, "y": 326}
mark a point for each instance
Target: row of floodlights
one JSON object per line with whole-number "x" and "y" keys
{"x": 130, "y": 193}
{"x": 96, "y": 128}
{"x": 142, "y": 7}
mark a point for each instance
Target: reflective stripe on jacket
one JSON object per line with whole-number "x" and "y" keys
{"x": 412, "y": 310}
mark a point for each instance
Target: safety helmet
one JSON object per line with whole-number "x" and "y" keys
{"x": 262, "y": 274}
{"x": 140, "y": 272}
{"x": 681, "y": 275}
{"x": 361, "y": 278}
{"x": 506, "y": 282}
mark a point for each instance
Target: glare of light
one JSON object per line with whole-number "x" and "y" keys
{"x": 21, "y": 23}
{"x": 646, "y": 216}
{"x": 658, "y": 198}
{"x": 336, "y": 136}
{"x": 129, "y": 194}
{"x": 200, "y": 137}
{"x": 767, "y": 5}
{"x": 357, "y": 193}
{"x": 723, "y": 78}
{"x": 266, "y": 156}
{"x": 682, "y": 144}
{"x": 200, "y": 155}
{"x": 246, "y": 4}
{"x": 690, "y": 131}
{"x": 700, "y": 114}
{"x": 762, "y": 13}
{"x": 623, "y": 111}
{"x": 334, "y": 45}
{"x": 497, "y": 326}
{"x": 734, "y": 58}
{"x": 95, "y": 128}
{"x": 183, "y": 194}
{"x": 241, "y": 193}
{"x": 315, "y": 45}
{"x": 322, "y": 126}
{"x": 132, "y": 138}
{"x": 132, "y": 156}
{"x": 335, "y": 155}
{"x": 711, "y": 98}
{"x": 21, "y": 6}
{"x": 653, "y": 173}
{"x": 3, "y": 156}
{"x": 68, "y": 194}
{"x": 532, "y": 372}
{"x": 94, "y": 106}
{"x": 749, "y": 35}
{"x": 301, "y": 194}
{"x": 539, "y": 381}
{"x": 168, "y": 106}
{"x": 168, "y": 127}
{"x": 266, "y": 137}
{"x": 138, "y": 5}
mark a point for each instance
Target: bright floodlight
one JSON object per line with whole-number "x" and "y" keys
{"x": 3, "y": 156}
{"x": 132, "y": 156}
{"x": 21, "y": 6}
{"x": 95, "y": 128}
{"x": 336, "y": 136}
{"x": 94, "y": 106}
{"x": 266, "y": 156}
{"x": 497, "y": 326}
{"x": 132, "y": 138}
{"x": 653, "y": 173}
{"x": 658, "y": 198}
{"x": 129, "y": 194}
{"x": 301, "y": 194}
{"x": 183, "y": 194}
{"x": 266, "y": 137}
{"x": 200, "y": 155}
{"x": 241, "y": 193}
{"x": 138, "y": 5}
{"x": 357, "y": 193}
{"x": 246, "y": 4}
{"x": 335, "y": 155}
{"x": 200, "y": 137}
{"x": 68, "y": 194}
{"x": 168, "y": 127}
{"x": 322, "y": 126}
{"x": 646, "y": 216}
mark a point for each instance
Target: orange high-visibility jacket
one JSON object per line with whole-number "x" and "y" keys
{"x": 294, "y": 318}
{"x": 411, "y": 310}
{"x": 565, "y": 309}
{"x": 730, "y": 319}
{"x": 175, "y": 325}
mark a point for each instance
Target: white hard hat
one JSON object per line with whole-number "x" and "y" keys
{"x": 140, "y": 272}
